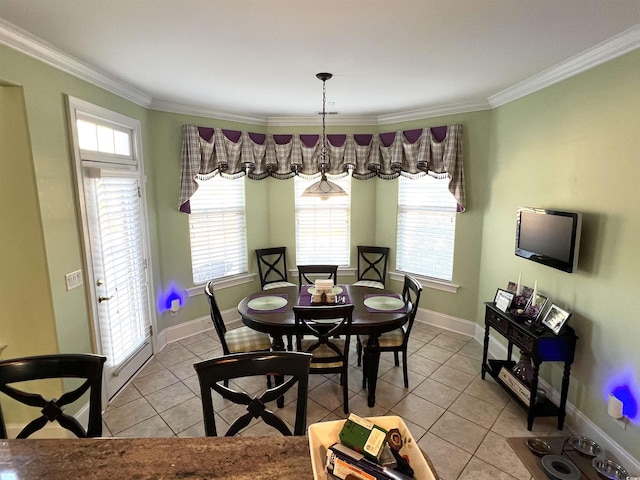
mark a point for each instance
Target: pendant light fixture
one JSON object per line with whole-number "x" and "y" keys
{"x": 324, "y": 189}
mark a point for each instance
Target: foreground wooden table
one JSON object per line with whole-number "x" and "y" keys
{"x": 236, "y": 458}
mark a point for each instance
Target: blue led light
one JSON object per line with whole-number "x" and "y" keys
{"x": 165, "y": 299}
{"x": 630, "y": 406}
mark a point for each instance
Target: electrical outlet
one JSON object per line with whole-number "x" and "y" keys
{"x": 74, "y": 279}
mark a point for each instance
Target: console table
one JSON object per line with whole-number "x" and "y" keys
{"x": 541, "y": 346}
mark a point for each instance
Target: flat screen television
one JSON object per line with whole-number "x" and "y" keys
{"x": 549, "y": 237}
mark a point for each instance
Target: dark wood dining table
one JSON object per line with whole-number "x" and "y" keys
{"x": 281, "y": 322}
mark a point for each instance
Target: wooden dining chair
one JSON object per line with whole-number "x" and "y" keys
{"x": 307, "y": 274}
{"x": 214, "y": 374}
{"x": 397, "y": 340}
{"x": 372, "y": 266}
{"x": 325, "y": 332}
{"x": 272, "y": 267}
{"x": 238, "y": 340}
{"x": 85, "y": 367}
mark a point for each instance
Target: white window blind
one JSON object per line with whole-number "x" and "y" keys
{"x": 123, "y": 266}
{"x": 426, "y": 227}
{"x": 217, "y": 229}
{"x": 323, "y": 226}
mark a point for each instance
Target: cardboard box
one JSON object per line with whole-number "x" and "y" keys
{"x": 364, "y": 437}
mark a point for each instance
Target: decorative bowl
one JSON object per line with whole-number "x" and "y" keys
{"x": 608, "y": 469}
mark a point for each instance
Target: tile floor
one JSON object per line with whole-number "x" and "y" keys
{"x": 458, "y": 419}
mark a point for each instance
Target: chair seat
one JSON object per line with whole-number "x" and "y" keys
{"x": 323, "y": 351}
{"x": 269, "y": 286}
{"x": 369, "y": 283}
{"x": 387, "y": 339}
{"x": 244, "y": 339}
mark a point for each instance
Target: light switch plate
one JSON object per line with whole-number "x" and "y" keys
{"x": 74, "y": 279}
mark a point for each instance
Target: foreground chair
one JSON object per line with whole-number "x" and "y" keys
{"x": 330, "y": 328}
{"x": 372, "y": 266}
{"x": 307, "y": 273}
{"x": 293, "y": 365}
{"x": 397, "y": 340}
{"x": 272, "y": 267}
{"x": 82, "y": 366}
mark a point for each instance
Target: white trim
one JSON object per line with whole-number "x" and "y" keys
{"x": 447, "y": 322}
{"x": 603, "y": 52}
{"x": 24, "y": 42}
{"x": 223, "y": 283}
{"x": 231, "y": 319}
{"x": 575, "y": 420}
{"x": 427, "y": 282}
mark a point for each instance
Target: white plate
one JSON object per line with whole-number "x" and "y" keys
{"x": 383, "y": 302}
{"x": 267, "y": 302}
{"x": 324, "y": 434}
{"x": 336, "y": 290}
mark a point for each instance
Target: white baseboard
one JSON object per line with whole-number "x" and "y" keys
{"x": 448, "y": 322}
{"x": 575, "y": 420}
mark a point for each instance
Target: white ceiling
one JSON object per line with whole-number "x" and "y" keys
{"x": 258, "y": 58}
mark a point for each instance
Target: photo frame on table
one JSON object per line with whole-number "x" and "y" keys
{"x": 555, "y": 318}
{"x": 535, "y": 307}
{"x": 520, "y": 301}
{"x": 503, "y": 299}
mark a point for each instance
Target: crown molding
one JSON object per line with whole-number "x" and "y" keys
{"x": 24, "y": 42}
{"x": 316, "y": 120}
{"x": 174, "y": 107}
{"x": 437, "y": 111}
{"x": 611, "y": 48}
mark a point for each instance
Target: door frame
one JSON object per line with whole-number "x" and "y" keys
{"x": 75, "y": 106}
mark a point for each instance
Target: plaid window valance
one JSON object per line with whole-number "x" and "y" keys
{"x": 413, "y": 153}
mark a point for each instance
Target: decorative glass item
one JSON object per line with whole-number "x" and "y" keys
{"x": 523, "y": 370}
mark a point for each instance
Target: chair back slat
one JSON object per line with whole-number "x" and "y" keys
{"x": 372, "y": 263}
{"x": 216, "y": 316}
{"x": 307, "y": 273}
{"x": 272, "y": 265}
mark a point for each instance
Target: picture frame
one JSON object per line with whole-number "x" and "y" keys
{"x": 555, "y": 318}
{"x": 520, "y": 301}
{"x": 503, "y": 299}
{"x": 535, "y": 307}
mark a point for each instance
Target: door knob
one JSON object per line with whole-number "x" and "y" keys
{"x": 102, "y": 298}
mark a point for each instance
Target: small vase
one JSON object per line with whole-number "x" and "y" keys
{"x": 523, "y": 370}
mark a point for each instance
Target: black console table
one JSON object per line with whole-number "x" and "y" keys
{"x": 541, "y": 346}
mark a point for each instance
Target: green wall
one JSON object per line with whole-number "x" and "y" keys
{"x": 574, "y": 146}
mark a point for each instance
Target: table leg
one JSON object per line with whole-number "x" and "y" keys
{"x": 532, "y": 395}
{"x": 563, "y": 395}
{"x": 485, "y": 350}
{"x": 370, "y": 364}
{"x": 277, "y": 344}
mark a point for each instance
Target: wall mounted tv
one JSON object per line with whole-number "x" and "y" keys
{"x": 549, "y": 237}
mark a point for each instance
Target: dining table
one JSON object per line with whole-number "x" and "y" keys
{"x": 222, "y": 458}
{"x": 375, "y": 312}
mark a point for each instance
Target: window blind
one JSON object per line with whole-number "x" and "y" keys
{"x": 122, "y": 266}
{"x": 218, "y": 230}
{"x": 426, "y": 227}
{"x": 323, "y": 226}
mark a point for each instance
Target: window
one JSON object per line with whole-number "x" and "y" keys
{"x": 217, "y": 229}
{"x": 426, "y": 227}
{"x": 323, "y": 226}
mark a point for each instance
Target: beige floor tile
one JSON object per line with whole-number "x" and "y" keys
{"x": 150, "y": 428}
{"x": 476, "y": 469}
{"x": 459, "y": 431}
{"x": 418, "y": 410}
{"x": 457, "y": 336}
{"x": 183, "y": 369}
{"x": 435, "y": 353}
{"x": 464, "y": 364}
{"x": 476, "y": 410}
{"x": 495, "y": 450}
{"x": 510, "y": 424}
{"x": 176, "y": 354}
{"x": 329, "y": 395}
{"x": 421, "y": 365}
{"x": 387, "y": 395}
{"x": 196, "y": 431}
{"x": 358, "y": 405}
{"x": 155, "y": 381}
{"x": 452, "y": 377}
{"x": 395, "y": 376}
{"x": 184, "y": 415}
{"x": 206, "y": 347}
{"x": 119, "y": 419}
{"x": 126, "y": 395}
{"x": 170, "y": 396}
{"x": 488, "y": 390}
{"x": 436, "y": 392}
{"x": 152, "y": 366}
{"x": 194, "y": 338}
{"x": 193, "y": 384}
{"x": 472, "y": 349}
{"x": 448, "y": 460}
{"x": 448, "y": 342}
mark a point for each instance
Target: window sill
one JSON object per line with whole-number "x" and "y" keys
{"x": 223, "y": 283}
{"x": 427, "y": 282}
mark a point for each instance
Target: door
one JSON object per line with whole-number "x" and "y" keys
{"x": 111, "y": 199}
